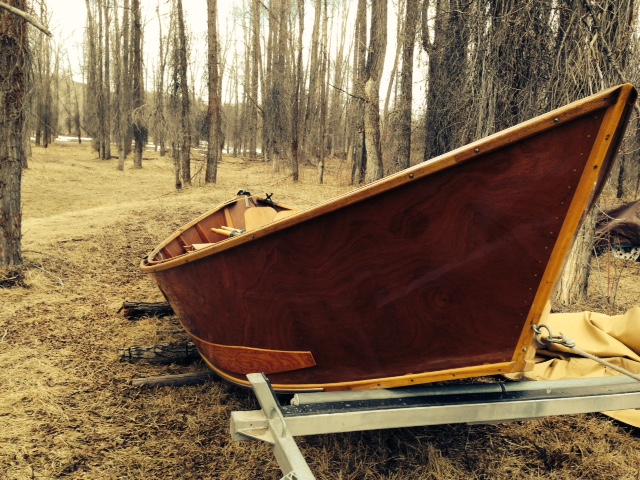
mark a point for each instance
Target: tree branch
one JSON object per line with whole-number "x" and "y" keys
{"x": 350, "y": 94}
{"x": 605, "y": 46}
{"x": 32, "y": 20}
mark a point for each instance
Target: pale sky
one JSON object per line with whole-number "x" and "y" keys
{"x": 68, "y": 19}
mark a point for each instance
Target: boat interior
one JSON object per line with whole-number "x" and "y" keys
{"x": 234, "y": 218}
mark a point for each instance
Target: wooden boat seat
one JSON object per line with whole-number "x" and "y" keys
{"x": 261, "y": 216}
{"x": 258, "y": 217}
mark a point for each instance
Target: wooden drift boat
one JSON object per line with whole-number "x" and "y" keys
{"x": 434, "y": 273}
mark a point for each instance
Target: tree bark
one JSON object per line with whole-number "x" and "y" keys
{"x": 185, "y": 106}
{"x": 100, "y": 100}
{"x": 574, "y": 281}
{"x": 214, "y": 149}
{"x": 335, "y": 133}
{"x": 91, "y": 83}
{"x": 445, "y": 46}
{"x": 126, "y": 100}
{"x": 297, "y": 89}
{"x": 13, "y": 87}
{"x": 322, "y": 124}
{"x": 107, "y": 86}
{"x": 375, "y": 64}
{"x": 139, "y": 128}
{"x": 309, "y": 119}
{"x": 33, "y": 21}
{"x": 359, "y": 153}
{"x": 255, "y": 71}
{"x": 405, "y": 104}
{"x": 117, "y": 73}
{"x": 400, "y": 32}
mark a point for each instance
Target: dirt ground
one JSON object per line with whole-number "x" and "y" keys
{"x": 67, "y": 409}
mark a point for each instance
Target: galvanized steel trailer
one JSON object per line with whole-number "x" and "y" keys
{"x": 350, "y": 411}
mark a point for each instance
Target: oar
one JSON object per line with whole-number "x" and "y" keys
{"x": 220, "y": 231}
{"x": 227, "y": 233}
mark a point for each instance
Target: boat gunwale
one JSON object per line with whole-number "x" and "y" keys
{"x": 149, "y": 261}
{"x": 474, "y": 150}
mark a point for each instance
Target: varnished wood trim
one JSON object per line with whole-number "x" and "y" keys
{"x": 149, "y": 264}
{"x": 244, "y": 360}
{"x": 602, "y": 150}
{"x": 390, "y": 382}
{"x": 227, "y": 216}
{"x": 202, "y": 233}
{"x": 493, "y": 142}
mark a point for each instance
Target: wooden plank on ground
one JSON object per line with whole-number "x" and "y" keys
{"x": 174, "y": 380}
{"x": 183, "y": 352}
{"x": 135, "y": 310}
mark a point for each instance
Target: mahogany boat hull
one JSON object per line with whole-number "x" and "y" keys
{"x": 435, "y": 273}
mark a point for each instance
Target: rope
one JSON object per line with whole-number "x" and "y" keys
{"x": 569, "y": 343}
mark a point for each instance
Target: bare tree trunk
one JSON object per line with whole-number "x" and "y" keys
{"x": 373, "y": 69}
{"x": 55, "y": 97}
{"x": 297, "y": 87}
{"x": 255, "y": 66}
{"x": 75, "y": 121}
{"x": 107, "y": 86}
{"x": 324, "y": 59}
{"x": 185, "y": 126}
{"x": 117, "y": 90}
{"x": 101, "y": 86}
{"x": 126, "y": 100}
{"x": 91, "y": 84}
{"x": 446, "y": 46}
{"x": 160, "y": 130}
{"x": 40, "y": 96}
{"x": 310, "y": 112}
{"x": 214, "y": 149}
{"x": 279, "y": 96}
{"x": 245, "y": 134}
{"x": 403, "y": 155}
{"x": 574, "y": 281}
{"x": 268, "y": 130}
{"x": 400, "y": 32}
{"x": 335, "y": 137}
{"x": 13, "y": 88}
{"x": 235, "y": 133}
{"x": 139, "y": 128}
{"x": 359, "y": 155}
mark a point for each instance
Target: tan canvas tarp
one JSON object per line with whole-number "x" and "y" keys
{"x": 613, "y": 338}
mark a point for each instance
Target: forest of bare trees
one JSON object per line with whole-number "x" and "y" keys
{"x": 293, "y": 82}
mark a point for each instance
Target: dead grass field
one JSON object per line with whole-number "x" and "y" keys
{"x": 67, "y": 410}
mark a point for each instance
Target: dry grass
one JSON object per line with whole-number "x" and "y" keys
{"x": 67, "y": 411}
